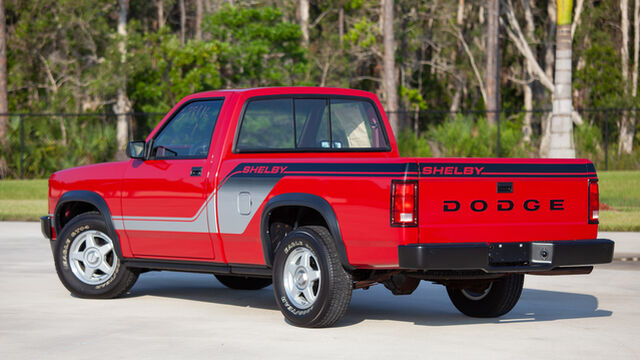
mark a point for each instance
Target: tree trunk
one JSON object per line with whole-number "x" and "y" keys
{"x": 492, "y": 73}
{"x": 341, "y": 24}
{"x": 160, "y": 10}
{"x": 636, "y": 47}
{"x": 528, "y": 87}
{"x": 304, "y": 21}
{"x": 198, "y": 19}
{"x": 122, "y": 107}
{"x": 4, "y": 102}
{"x": 549, "y": 61}
{"x": 183, "y": 21}
{"x": 561, "y": 139}
{"x": 460, "y": 13}
{"x": 624, "y": 49}
{"x": 627, "y": 123}
{"x": 389, "y": 65}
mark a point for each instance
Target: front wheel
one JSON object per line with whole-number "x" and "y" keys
{"x": 86, "y": 260}
{"x": 310, "y": 285}
{"x": 488, "y": 299}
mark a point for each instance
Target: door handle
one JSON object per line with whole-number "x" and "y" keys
{"x": 196, "y": 171}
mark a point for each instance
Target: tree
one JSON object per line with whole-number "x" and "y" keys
{"x": 626, "y": 123}
{"x": 123, "y": 106}
{"x": 4, "y": 102}
{"x": 492, "y": 73}
{"x": 389, "y": 64}
{"x": 561, "y": 142}
{"x": 183, "y": 21}
{"x": 304, "y": 21}
{"x": 198, "y": 25}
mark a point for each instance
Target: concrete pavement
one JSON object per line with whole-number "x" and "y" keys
{"x": 178, "y": 315}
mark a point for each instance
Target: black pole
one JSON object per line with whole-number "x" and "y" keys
{"x": 606, "y": 143}
{"x": 21, "y": 145}
{"x": 498, "y": 123}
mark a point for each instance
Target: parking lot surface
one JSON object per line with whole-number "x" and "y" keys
{"x": 192, "y": 316}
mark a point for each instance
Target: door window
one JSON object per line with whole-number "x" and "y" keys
{"x": 188, "y": 133}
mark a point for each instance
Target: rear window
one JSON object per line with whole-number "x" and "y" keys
{"x": 311, "y": 124}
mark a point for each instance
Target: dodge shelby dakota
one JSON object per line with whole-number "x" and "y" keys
{"x": 304, "y": 187}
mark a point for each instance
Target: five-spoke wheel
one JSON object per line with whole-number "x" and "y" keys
{"x": 86, "y": 259}
{"x": 302, "y": 277}
{"x": 310, "y": 285}
{"x": 92, "y": 257}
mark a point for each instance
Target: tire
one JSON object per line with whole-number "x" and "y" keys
{"x": 86, "y": 260}
{"x": 497, "y": 299}
{"x": 243, "y": 282}
{"x": 310, "y": 285}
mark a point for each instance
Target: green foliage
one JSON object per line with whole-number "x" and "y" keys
{"x": 363, "y": 33}
{"x": 56, "y": 143}
{"x": 462, "y": 136}
{"x": 412, "y": 145}
{"x": 588, "y": 139}
{"x": 165, "y": 71}
{"x": 601, "y": 77}
{"x": 413, "y": 98}
{"x": 257, "y": 47}
{"x": 64, "y": 56}
{"x": 247, "y": 48}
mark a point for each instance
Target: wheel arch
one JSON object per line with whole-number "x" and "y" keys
{"x": 301, "y": 201}
{"x": 78, "y": 202}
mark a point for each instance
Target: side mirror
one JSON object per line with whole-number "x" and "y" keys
{"x": 135, "y": 150}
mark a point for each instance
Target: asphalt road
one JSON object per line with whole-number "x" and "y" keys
{"x": 186, "y": 316}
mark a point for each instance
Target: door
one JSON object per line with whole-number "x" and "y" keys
{"x": 167, "y": 212}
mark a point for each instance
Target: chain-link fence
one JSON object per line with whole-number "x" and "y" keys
{"x": 39, "y": 144}
{"x": 595, "y": 132}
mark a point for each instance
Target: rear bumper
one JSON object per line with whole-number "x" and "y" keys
{"x": 505, "y": 257}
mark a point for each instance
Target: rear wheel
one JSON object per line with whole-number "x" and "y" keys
{"x": 86, "y": 260}
{"x": 243, "y": 282}
{"x": 488, "y": 299}
{"x": 311, "y": 287}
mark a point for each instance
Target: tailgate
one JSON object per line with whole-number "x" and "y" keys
{"x": 504, "y": 200}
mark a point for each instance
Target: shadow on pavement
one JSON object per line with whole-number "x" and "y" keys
{"x": 428, "y": 305}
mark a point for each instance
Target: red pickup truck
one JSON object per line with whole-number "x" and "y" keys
{"x": 304, "y": 187}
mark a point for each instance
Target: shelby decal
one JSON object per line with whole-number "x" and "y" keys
{"x": 502, "y": 205}
{"x": 452, "y": 170}
{"x": 264, "y": 169}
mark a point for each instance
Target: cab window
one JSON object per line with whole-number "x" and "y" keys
{"x": 321, "y": 123}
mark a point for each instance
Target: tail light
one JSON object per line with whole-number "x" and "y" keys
{"x": 594, "y": 202}
{"x": 404, "y": 203}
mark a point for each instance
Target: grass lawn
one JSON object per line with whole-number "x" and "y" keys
{"x": 27, "y": 200}
{"x": 23, "y": 199}
{"x": 621, "y": 191}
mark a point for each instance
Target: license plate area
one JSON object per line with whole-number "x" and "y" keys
{"x": 509, "y": 254}
{"x": 541, "y": 253}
